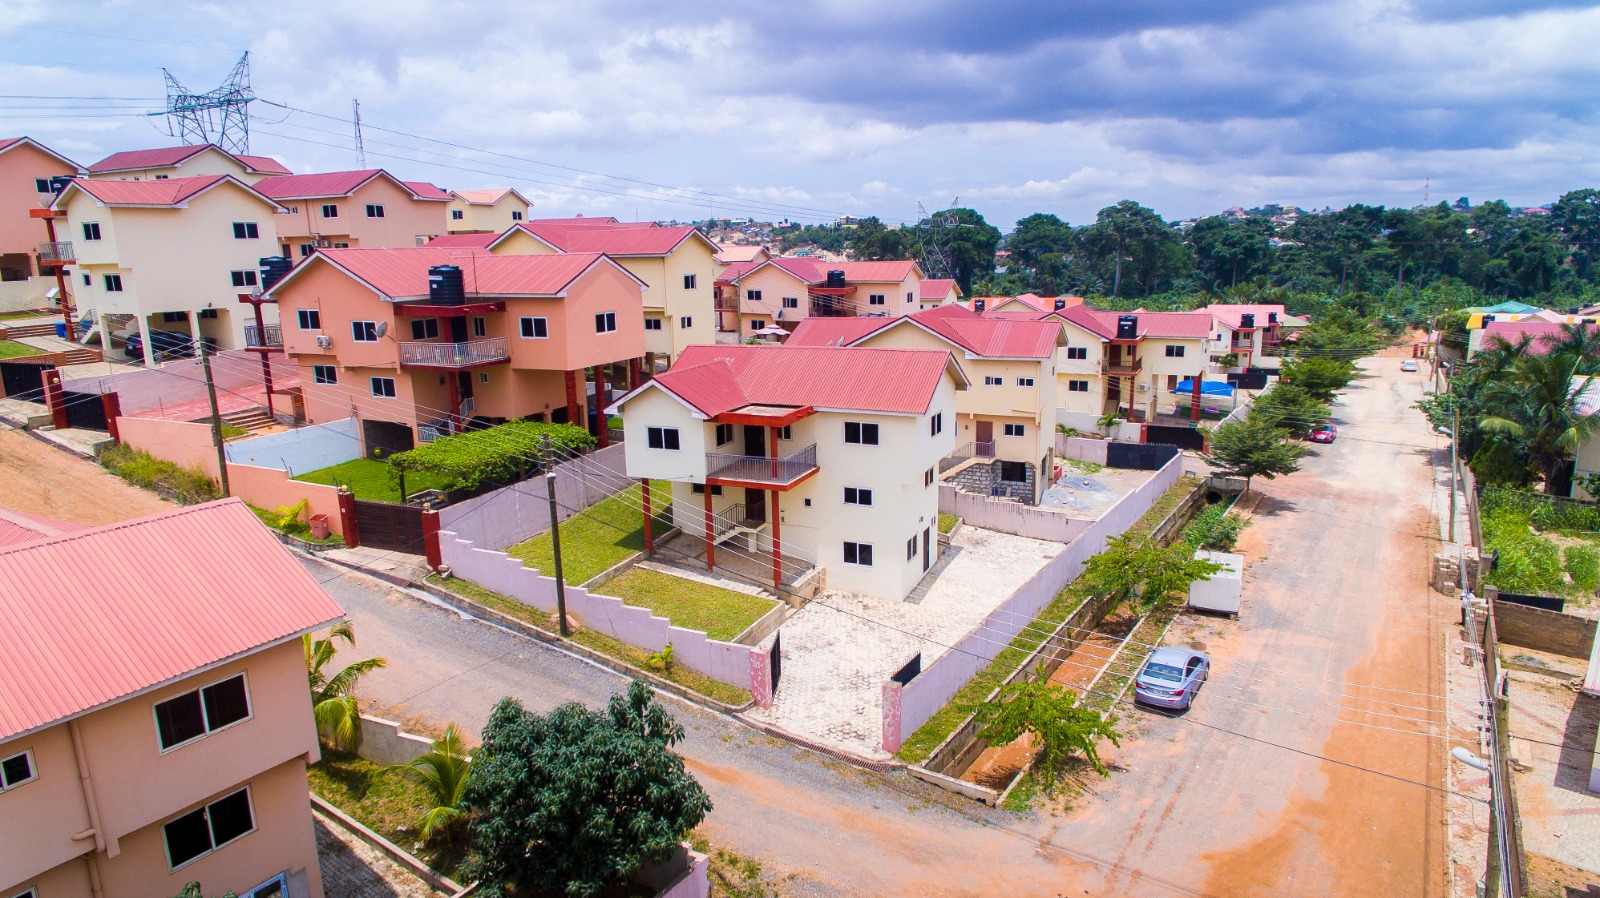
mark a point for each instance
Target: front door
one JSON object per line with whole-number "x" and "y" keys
{"x": 755, "y": 503}
{"x": 755, "y": 441}
{"x": 927, "y": 556}
{"x": 985, "y": 431}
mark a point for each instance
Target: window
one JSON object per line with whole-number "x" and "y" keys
{"x": 927, "y": 477}
{"x": 700, "y": 488}
{"x": 516, "y": 216}
{"x": 1174, "y": 351}
{"x": 753, "y": 295}
{"x": 1024, "y": 381}
{"x": 341, "y": 246}
{"x": 113, "y": 283}
{"x": 605, "y": 322}
{"x": 857, "y": 496}
{"x": 910, "y": 297}
{"x": 535, "y": 328}
{"x": 88, "y": 280}
{"x": 383, "y": 387}
{"x": 457, "y": 215}
{"x": 862, "y": 434}
{"x": 689, "y": 282}
{"x": 161, "y": 177}
{"x": 724, "y": 434}
{"x": 936, "y": 424}
{"x": 785, "y": 432}
{"x": 424, "y": 328}
{"x": 685, "y": 322}
{"x": 245, "y": 278}
{"x": 41, "y": 185}
{"x": 911, "y": 549}
{"x": 185, "y": 718}
{"x": 374, "y": 210}
{"x": 480, "y": 327}
{"x": 16, "y": 770}
{"x": 330, "y": 210}
{"x": 307, "y": 249}
{"x": 858, "y": 553}
{"x": 876, "y": 299}
{"x": 324, "y": 374}
{"x": 204, "y": 830}
{"x": 662, "y": 438}
{"x": 26, "y": 893}
{"x": 1078, "y": 353}
{"x": 308, "y": 319}
{"x": 246, "y": 230}
{"x": 364, "y": 331}
{"x": 91, "y": 230}
{"x": 208, "y": 313}
{"x": 276, "y": 887}
{"x": 1016, "y": 430}
{"x": 174, "y": 317}
{"x": 791, "y": 302}
{"x": 990, "y": 381}
{"x": 1077, "y": 386}
{"x": 652, "y": 324}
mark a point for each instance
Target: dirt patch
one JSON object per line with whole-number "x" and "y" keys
{"x": 1548, "y": 878}
{"x": 39, "y": 479}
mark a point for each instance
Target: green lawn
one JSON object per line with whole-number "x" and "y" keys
{"x": 721, "y": 613}
{"x": 947, "y": 522}
{"x": 369, "y": 479}
{"x": 600, "y": 538}
{"x": 11, "y": 349}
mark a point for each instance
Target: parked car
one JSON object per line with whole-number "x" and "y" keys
{"x": 1408, "y": 365}
{"x": 164, "y": 345}
{"x": 1323, "y": 433}
{"x": 1171, "y": 677}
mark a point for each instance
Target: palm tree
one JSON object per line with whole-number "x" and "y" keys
{"x": 1540, "y": 403}
{"x": 443, "y": 774}
{"x": 1582, "y": 340}
{"x": 333, "y": 700}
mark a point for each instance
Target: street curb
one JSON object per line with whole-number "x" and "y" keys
{"x": 837, "y": 754}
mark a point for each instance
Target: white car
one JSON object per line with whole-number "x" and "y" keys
{"x": 1408, "y": 365}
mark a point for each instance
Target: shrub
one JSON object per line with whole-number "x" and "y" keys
{"x": 187, "y": 485}
{"x": 1527, "y": 562}
{"x": 1214, "y": 529}
{"x": 1583, "y": 566}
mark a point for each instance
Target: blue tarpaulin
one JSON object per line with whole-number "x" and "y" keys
{"x": 1207, "y": 387}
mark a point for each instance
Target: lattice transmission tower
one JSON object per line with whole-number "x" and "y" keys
{"x": 935, "y": 233}
{"x": 220, "y": 116}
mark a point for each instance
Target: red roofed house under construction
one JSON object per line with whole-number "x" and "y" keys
{"x": 801, "y": 458}
{"x": 495, "y": 338}
{"x": 155, "y": 724}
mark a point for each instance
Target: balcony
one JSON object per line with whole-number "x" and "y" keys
{"x": 58, "y": 253}
{"x": 269, "y": 337}
{"x": 470, "y": 354}
{"x": 1122, "y": 367}
{"x": 759, "y": 471}
{"x": 727, "y": 303}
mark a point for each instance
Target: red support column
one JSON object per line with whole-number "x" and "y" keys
{"x": 1194, "y": 399}
{"x": 602, "y": 429}
{"x": 54, "y": 400}
{"x": 261, "y": 334}
{"x": 572, "y": 396}
{"x": 774, "y": 453}
{"x": 455, "y": 402}
{"x": 112, "y": 403}
{"x": 777, "y": 544}
{"x": 635, "y": 374}
{"x": 430, "y": 539}
{"x": 711, "y": 537}
{"x": 347, "y": 519}
{"x": 61, "y": 288}
{"x": 649, "y": 538}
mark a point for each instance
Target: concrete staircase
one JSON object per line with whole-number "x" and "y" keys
{"x": 81, "y": 356}
{"x": 254, "y": 419}
{"x": 28, "y": 330}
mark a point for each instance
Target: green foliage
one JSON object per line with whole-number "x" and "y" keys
{"x": 1589, "y": 483}
{"x": 1254, "y": 448}
{"x": 1066, "y": 431}
{"x": 1085, "y": 467}
{"x": 1496, "y": 463}
{"x": 661, "y": 660}
{"x": 1319, "y": 377}
{"x": 575, "y": 801}
{"x": 443, "y": 772}
{"x": 1540, "y": 403}
{"x": 333, "y": 701}
{"x": 11, "y": 349}
{"x": 602, "y": 537}
{"x": 1130, "y": 568}
{"x": 496, "y": 455}
{"x": 1544, "y": 512}
{"x": 1583, "y": 566}
{"x": 1214, "y": 529}
{"x": 189, "y": 486}
{"x": 1290, "y": 407}
{"x": 1060, "y": 726}
{"x": 192, "y": 890}
{"x": 722, "y": 613}
{"x": 1109, "y": 420}
{"x": 373, "y": 479}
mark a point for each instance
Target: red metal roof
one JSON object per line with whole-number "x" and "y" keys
{"x": 613, "y": 240}
{"x": 263, "y": 164}
{"x": 737, "y": 270}
{"x": 834, "y": 331}
{"x": 480, "y": 241}
{"x": 994, "y": 338}
{"x": 426, "y": 191}
{"x": 1179, "y": 325}
{"x": 317, "y": 186}
{"x": 485, "y": 197}
{"x": 402, "y": 272}
{"x": 165, "y": 157}
{"x": 937, "y": 288}
{"x": 824, "y": 377}
{"x": 97, "y": 616}
{"x": 872, "y": 271}
{"x": 1543, "y": 334}
{"x": 1228, "y": 313}
{"x": 166, "y": 192}
{"x": 17, "y": 528}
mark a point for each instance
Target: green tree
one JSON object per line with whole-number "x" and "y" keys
{"x": 443, "y": 772}
{"x": 1254, "y": 448}
{"x": 1039, "y": 235}
{"x": 576, "y": 801}
{"x": 1541, "y": 403}
{"x": 1320, "y": 377}
{"x": 1060, "y": 726}
{"x": 1227, "y": 251}
{"x": 972, "y": 242}
{"x": 333, "y": 700}
{"x": 1577, "y": 214}
{"x": 1290, "y": 407}
{"x": 1132, "y": 569}
{"x": 1135, "y": 237}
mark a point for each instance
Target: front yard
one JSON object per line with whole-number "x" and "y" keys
{"x": 11, "y": 349}
{"x": 721, "y": 613}
{"x": 597, "y": 539}
{"x": 371, "y": 479}
{"x": 388, "y": 802}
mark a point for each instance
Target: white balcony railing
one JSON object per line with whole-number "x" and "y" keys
{"x": 454, "y": 355}
{"x": 779, "y": 472}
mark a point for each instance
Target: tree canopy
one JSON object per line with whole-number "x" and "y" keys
{"x": 503, "y": 454}
{"x": 1254, "y": 447}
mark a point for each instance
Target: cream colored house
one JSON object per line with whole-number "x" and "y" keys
{"x": 802, "y": 457}
{"x": 1251, "y": 333}
{"x": 1005, "y": 422}
{"x": 753, "y": 296}
{"x": 160, "y": 734}
{"x": 940, "y": 291}
{"x": 163, "y": 163}
{"x": 336, "y": 210}
{"x": 490, "y": 211}
{"x": 170, "y": 255}
{"x": 677, "y": 265}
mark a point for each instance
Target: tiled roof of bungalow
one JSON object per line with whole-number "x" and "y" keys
{"x": 337, "y": 184}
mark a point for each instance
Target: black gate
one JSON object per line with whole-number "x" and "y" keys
{"x": 775, "y": 655}
{"x": 1249, "y": 378}
{"x": 24, "y": 380}
{"x": 1548, "y": 603}
{"x": 1139, "y": 456}
{"x": 85, "y": 410}
{"x": 385, "y": 525}
{"x": 1182, "y": 437}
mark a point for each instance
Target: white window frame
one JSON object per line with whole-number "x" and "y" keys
{"x": 480, "y": 326}
{"x": 911, "y": 547}
{"x": 1015, "y": 430}
{"x": 29, "y": 892}
{"x": 1077, "y": 353}
{"x": 786, "y": 432}
{"x": 927, "y": 478}
{"x": 877, "y": 299}
{"x": 457, "y": 215}
{"x": 33, "y": 769}
{"x": 528, "y": 326}
{"x": 752, "y": 295}
{"x": 372, "y": 386}
{"x": 724, "y": 429}
{"x": 652, "y": 324}
{"x": 246, "y": 230}
{"x": 244, "y": 277}
{"x": 426, "y": 324}
{"x": 255, "y": 824}
{"x": 689, "y": 281}
{"x": 330, "y": 207}
{"x": 281, "y": 880}
{"x": 685, "y": 322}
{"x": 95, "y": 225}
{"x": 308, "y": 319}
{"x": 861, "y": 433}
{"x": 936, "y": 424}
{"x": 374, "y": 210}
{"x": 651, "y": 432}
{"x": 1077, "y": 386}
{"x": 1025, "y": 382}
{"x": 250, "y": 711}
{"x": 1175, "y": 350}
{"x": 113, "y": 279}
{"x": 791, "y": 302}
{"x": 359, "y": 331}
{"x": 989, "y": 380}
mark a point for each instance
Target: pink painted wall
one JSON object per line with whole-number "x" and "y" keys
{"x": 404, "y": 218}
{"x": 180, "y": 442}
{"x": 19, "y": 166}
{"x": 509, "y": 515}
{"x": 37, "y": 820}
{"x": 183, "y": 381}
{"x": 271, "y": 488}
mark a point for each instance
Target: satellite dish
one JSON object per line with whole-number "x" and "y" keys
{"x": 382, "y": 328}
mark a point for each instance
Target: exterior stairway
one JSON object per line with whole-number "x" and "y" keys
{"x": 254, "y": 419}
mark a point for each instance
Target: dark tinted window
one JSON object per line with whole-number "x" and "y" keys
{"x": 230, "y": 817}
{"x": 188, "y": 837}
{"x": 180, "y": 719}
{"x": 225, "y": 703}
{"x": 15, "y": 769}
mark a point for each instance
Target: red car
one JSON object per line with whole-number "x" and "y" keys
{"x": 1325, "y": 433}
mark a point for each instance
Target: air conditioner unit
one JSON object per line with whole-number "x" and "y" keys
{"x": 324, "y": 341}
{"x": 324, "y": 244}
{"x": 1144, "y": 388}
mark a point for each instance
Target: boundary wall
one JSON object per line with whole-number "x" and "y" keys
{"x": 511, "y": 514}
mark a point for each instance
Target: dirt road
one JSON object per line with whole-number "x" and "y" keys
{"x": 43, "y": 480}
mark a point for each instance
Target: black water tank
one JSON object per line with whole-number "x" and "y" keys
{"x": 445, "y": 287}
{"x": 1488, "y": 319}
{"x": 59, "y": 183}
{"x": 1573, "y": 310}
{"x": 977, "y": 305}
{"x": 273, "y": 268}
{"x": 1060, "y": 304}
{"x": 1127, "y": 327}
{"x": 1247, "y": 320}
{"x": 835, "y": 279}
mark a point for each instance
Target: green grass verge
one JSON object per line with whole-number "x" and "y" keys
{"x": 189, "y": 486}
{"x": 11, "y": 349}
{"x": 947, "y": 522}
{"x": 598, "y": 642}
{"x": 387, "y": 802}
{"x": 369, "y": 479}
{"x": 230, "y": 431}
{"x": 721, "y": 613}
{"x": 921, "y": 743}
{"x": 602, "y": 537}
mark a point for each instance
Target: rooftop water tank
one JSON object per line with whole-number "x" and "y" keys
{"x": 445, "y": 286}
{"x": 1127, "y": 327}
{"x": 273, "y": 268}
{"x": 835, "y": 279}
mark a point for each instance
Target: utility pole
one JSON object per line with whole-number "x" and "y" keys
{"x": 361, "y": 147}
{"x": 1455, "y": 428}
{"x": 216, "y": 418}
{"x": 555, "y": 539}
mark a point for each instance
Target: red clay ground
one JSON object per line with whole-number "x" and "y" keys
{"x": 40, "y": 479}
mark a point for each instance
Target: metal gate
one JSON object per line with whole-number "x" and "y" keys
{"x": 22, "y": 380}
{"x": 385, "y": 525}
{"x": 775, "y": 654}
{"x": 86, "y": 410}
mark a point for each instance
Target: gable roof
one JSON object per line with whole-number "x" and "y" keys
{"x": 11, "y": 143}
{"x": 990, "y": 338}
{"x": 487, "y": 196}
{"x": 1228, "y": 314}
{"x": 168, "y": 157}
{"x": 424, "y": 190}
{"x": 717, "y": 379}
{"x": 401, "y": 273}
{"x": 739, "y": 252}
{"x": 813, "y": 272}
{"x": 613, "y": 240}
{"x": 338, "y": 184}
{"x": 480, "y": 241}
{"x": 263, "y": 164}
{"x": 168, "y": 192}
{"x": 17, "y": 528}
{"x": 938, "y": 288}
{"x": 131, "y": 606}
{"x": 1173, "y": 325}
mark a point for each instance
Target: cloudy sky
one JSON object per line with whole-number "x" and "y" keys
{"x": 809, "y": 110}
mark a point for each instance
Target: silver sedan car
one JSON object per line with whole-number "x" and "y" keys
{"x": 1171, "y": 677}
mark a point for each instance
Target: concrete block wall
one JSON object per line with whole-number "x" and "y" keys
{"x": 1545, "y": 631}
{"x": 182, "y": 380}
{"x": 509, "y": 515}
